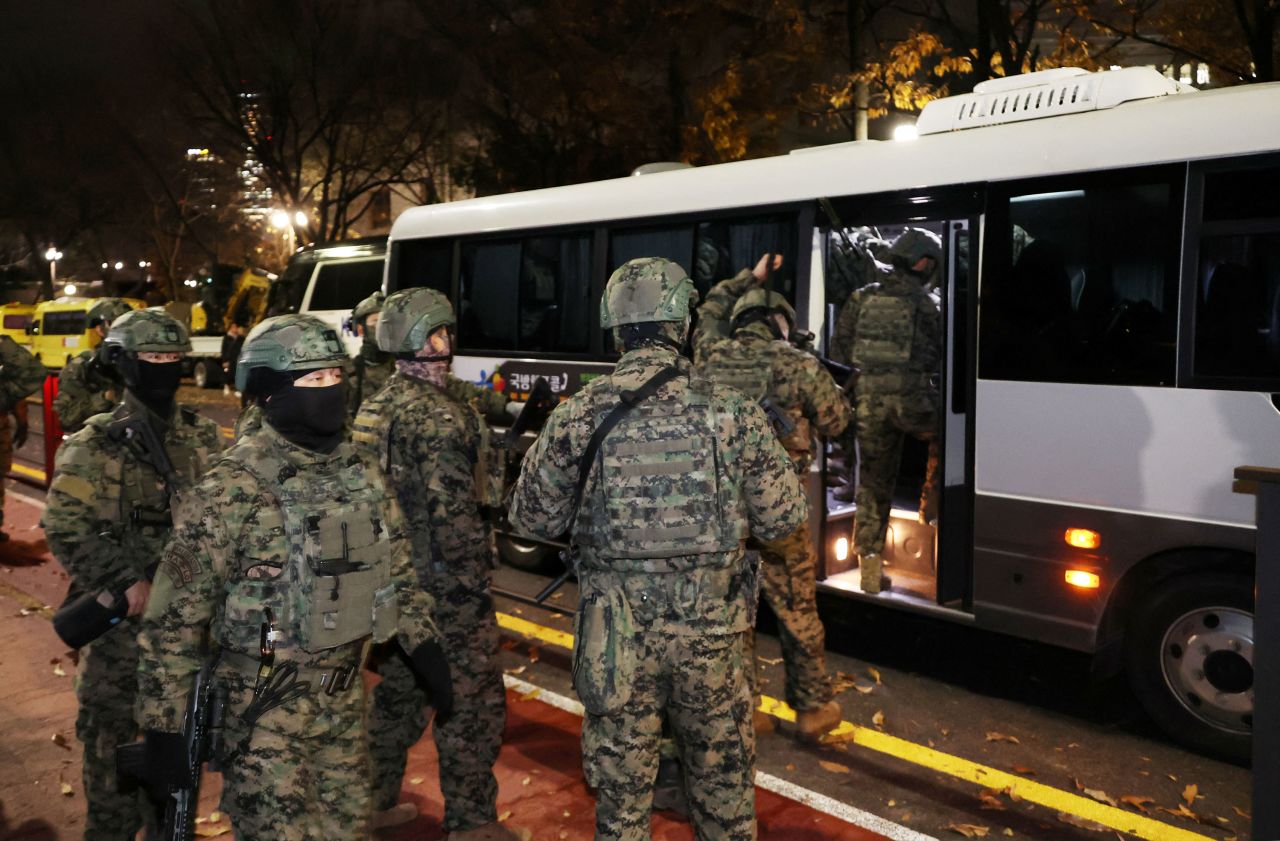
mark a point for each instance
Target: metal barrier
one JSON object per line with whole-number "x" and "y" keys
{"x": 1264, "y": 483}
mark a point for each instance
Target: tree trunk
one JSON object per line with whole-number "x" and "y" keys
{"x": 856, "y": 25}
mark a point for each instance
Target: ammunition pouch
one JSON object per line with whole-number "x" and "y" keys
{"x": 604, "y": 651}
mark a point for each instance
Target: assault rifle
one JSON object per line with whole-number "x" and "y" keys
{"x": 536, "y": 409}
{"x": 846, "y": 376}
{"x": 202, "y": 739}
{"x": 141, "y": 438}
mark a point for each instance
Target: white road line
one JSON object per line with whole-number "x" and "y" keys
{"x": 768, "y": 782}
{"x": 29, "y": 500}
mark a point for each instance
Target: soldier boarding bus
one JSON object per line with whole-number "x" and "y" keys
{"x": 1109, "y": 295}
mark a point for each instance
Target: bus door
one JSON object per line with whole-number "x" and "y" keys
{"x": 913, "y": 475}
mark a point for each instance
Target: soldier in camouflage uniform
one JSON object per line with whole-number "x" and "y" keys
{"x": 88, "y": 385}
{"x": 107, "y": 521}
{"x": 741, "y": 341}
{"x": 292, "y": 557}
{"x": 21, "y": 374}
{"x": 426, "y": 428}
{"x": 666, "y": 588}
{"x": 892, "y": 331}
{"x": 368, "y": 372}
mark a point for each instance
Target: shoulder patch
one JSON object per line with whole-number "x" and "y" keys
{"x": 181, "y": 565}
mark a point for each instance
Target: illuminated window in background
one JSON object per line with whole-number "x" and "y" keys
{"x": 1202, "y": 74}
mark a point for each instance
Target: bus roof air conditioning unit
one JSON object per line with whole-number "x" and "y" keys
{"x": 1045, "y": 93}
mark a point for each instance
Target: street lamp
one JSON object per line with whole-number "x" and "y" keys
{"x": 279, "y": 220}
{"x": 53, "y": 255}
{"x": 69, "y": 289}
{"x": 119, "y": 265}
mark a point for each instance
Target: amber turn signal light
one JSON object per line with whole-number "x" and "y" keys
{"x": 1083, "y": 538}
{"x": 1083, "y": 579}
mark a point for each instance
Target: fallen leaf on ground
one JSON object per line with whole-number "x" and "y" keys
{"x": 417, "y": 781}
{"x": 59, "y": 671}
{"x": 1242, "y": 813}
{"x": 770, "y": 661}
{"x": 893, "y": 803}
{"x": 518, "y": 670}
{"x": 1172, "y": 777}
{"x": 557, "y": 595}
{"x": 1182, "y": 811}
{"x": 1100, "y": 796}
{"x": 1022, "y": 769}
{"x": 1082, "y": 823}
{"x": 1008, "y": 832}
{"x": 990, "y": 799}
{"x": 944, "y": 731}
{"x": 993, "y": 736}
{"x": 526, "y": 781}
{"x": 66, "y": 789}
{"x": 1189, "y": 793}
{"x": 1138, "y": 802}
{"x": 60, "y": 740}
{"x": 1074, "y": 745}
{"x": 533, "y": 655}
{"x": 969, "y": 830}
{"x": 864, "y": 688}
{"x": 504, "y": 816}
{"x": 875, "y": 675}
{"x": 1010, "y": 793}
{"x": 791, "y": 766}
{"x": 833, "y": 767}
{"x": 213, "y": 831}
{"x": 878, "y": 719}
{"x": 531, "y": 694}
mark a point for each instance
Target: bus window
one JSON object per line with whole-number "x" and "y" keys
{"x": 1237, "y": 304}
{"x": 529, "y": 295}
{"x": 675, "y": 243}
{"x": 1080, "y": 285}
{"x": 424, "y": 262}
{"x": 342, "y": 285}
{"x": 68, "y": 323}
{"x": 726, "y": 247}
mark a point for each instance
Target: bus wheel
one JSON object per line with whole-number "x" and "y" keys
{"x": 205, "y": 373}
{"x": 527, "y": 555}
{"x": 1189, "y": 649}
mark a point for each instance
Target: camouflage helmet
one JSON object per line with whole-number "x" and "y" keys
{"x": 147, "y": 331}
{"x": 107, "y": 310}
{"x": 763, "y": 299}
{"x": 368, "y": 306}
{"x": 410, "y": 316}
{"x": 290, "y": 343}
{"x": 647, "y": 289}
{"x": 913, "y": 245}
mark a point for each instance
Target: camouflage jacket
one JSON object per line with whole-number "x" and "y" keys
{"x": 232, "y": 543}
{"x": 712, "y": 593}
{"x": 797, "y": 384}
{"x": 888, "y": 329}
{"x": 433, "y": 445}
{"x": 21, "y": 374}
{"x": 366, "y": 374}
{"x": 84, "y": 390}
{"x": 108, "y": 514}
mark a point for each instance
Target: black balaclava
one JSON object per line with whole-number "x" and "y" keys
{"x": 312, "y": 418}
{"x": 154, "y": 383}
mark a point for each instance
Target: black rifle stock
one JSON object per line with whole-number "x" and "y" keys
{"x": 536, "y": 409}
{"x": 846, "y": 376}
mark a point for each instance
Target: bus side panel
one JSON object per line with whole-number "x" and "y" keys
{"x": 1021, "y": 560}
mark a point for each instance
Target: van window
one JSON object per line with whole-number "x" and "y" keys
{"x": 530, "y": 294}
{"x": 673, "y": 242}
{"x": 1237, "y": 276}
{"x": 340, "y": 286}
{"x": 16, "y": 322}
{"x": 64, "y": 323}
{"x": 422, "y": 262}
{"x": 1080, "y": 281}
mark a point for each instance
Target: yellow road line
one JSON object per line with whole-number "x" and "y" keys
{"x": 28, "y": 601}
{"x": 33, "y": 472}
{"x": 1020, "y": 787}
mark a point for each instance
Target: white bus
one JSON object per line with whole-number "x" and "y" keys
{"x": 1111, "y": 305}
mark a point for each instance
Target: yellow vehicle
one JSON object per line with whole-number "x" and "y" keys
{"x": 247, "y": 302}
{"x": 14, "y": 320}
{"x": 60, "y": 329}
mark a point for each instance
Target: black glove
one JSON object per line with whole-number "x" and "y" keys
{"x": 433, "y": 669}
{"x": 20, "y": 434}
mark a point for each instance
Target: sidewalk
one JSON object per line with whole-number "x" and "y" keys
{"x": 541, "y": 788}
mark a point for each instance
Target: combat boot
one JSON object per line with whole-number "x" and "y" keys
{"x": 762, "y": 722}
{"x": 812, "y": 725}
{"x": 492, "y": 831}
{"x": 668, "y": 790}
{"x": 397, "y": 815}
{"x": 871, "y": 568}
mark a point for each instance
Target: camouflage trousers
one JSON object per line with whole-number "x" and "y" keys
{"x": 106, "y": 685}
{"x": 883, "y": 419}
{"x": 298, "y": 786}
{"x": 699, "y": 684}
{"x": 789, "y": 583}
{"x": 6, "y": 456}
{"x": 469, "y": 740}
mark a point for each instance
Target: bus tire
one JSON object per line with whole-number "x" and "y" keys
{"x": 1189, "y": 657}
{"x": 206, "y": 373}
{"x": 527, "y": 555}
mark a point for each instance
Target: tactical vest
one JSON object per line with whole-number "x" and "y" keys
{"x": 732, "y": 365}
{"x": 659, "y": 488}
{"x": 884, "y": 332}
{"x": 317, "y": 556}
